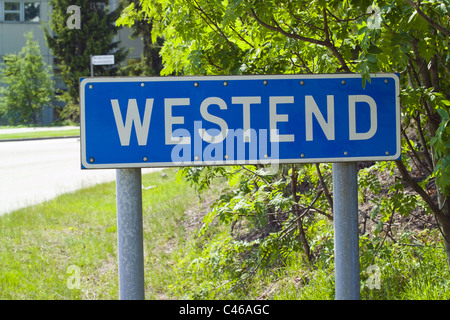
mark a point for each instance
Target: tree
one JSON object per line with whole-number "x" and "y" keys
{"x": 285, "y": 37}
{"x": 73, "y": 46}
{"x": 28, "y": 84}
{"x": 151, "y": 63}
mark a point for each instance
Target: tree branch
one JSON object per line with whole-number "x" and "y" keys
{"x": 301, "y": 231}
{"x": 349, "y": 19}
{"x": 256, "y": 174}
{"x": 443, "y": 64}
{"x": 205, "y": 16}
{"x": 329, "y": 42}
{"x": 391, "y": 219}
{"x": 438, "y": 27}
{"x": 303, "y": 21}
{"x": 283, "y": 32}
{"x": 414, "y": 72}
{"x": 325, "y": 26}
{"x": 211, "y": 62}
{"x": 416, "y": 155}
{"x": 326, "y": 43}
{"x": 304, "y": 65}
{"x": 241, "y": 37}
{"x": 424, "y": 143}
{"x": 413, "y": 184}
{"x": 289, "y": 228}
{"x": 325, "y": 188}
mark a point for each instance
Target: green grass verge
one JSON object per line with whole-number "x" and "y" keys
{"x": 40, "y": 134}
{"x": 45, "y": 249}
{"x": 66, "y": 248}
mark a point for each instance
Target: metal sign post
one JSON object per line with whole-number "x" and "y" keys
{"x": 130, "y": 234}
{"x": 346, "y": 239}
{"x": 130, "y": 245}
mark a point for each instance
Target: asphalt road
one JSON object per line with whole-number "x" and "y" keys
{"x": 38, "y": 170}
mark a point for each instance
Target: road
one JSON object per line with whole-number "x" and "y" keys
{"x": 38, "y": 170}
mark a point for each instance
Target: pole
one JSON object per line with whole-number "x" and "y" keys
{"x": 92, "y": 66}
{"x": 346, "y": 239}
{"x": 130, "y": 234}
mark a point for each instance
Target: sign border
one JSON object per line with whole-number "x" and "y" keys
{"x": 225, "y": 162}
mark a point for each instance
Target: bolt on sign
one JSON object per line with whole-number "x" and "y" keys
{"x": 229, "y": 120}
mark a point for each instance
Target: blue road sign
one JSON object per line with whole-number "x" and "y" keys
{"x": 225, "y": 120}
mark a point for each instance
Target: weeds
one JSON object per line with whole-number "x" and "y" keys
{"x": 43, "y": 249}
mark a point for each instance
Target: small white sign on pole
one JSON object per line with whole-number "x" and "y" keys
{"x": 102, "y": 60}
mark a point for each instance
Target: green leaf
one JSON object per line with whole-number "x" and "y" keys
{"x": 443, "y": 113}
{"x": 372, "y": 58}
{"x": 374, "y": 211}
{"x": 374, "y": 49}
{"x": 362, "y": 30}
{"x": 379, "y": 228}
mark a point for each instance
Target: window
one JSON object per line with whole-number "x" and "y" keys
{"x": 32, "y": 11}
{"x": 12, "y": 11}
{"x": 20, "y": 11}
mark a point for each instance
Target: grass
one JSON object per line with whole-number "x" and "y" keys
{"x": 41, "y": 246}
{"x": 40, "y": 134}
{"x": 405, "y": 273}
{"x": 66, "y": 248}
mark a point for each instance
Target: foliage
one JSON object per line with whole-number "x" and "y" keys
{"x": 441, "y": 145}
{"x": 266, "y": 221}
{"x": 79, "y": 230}
{"x": 73, "y": 47}
{"x": 28, "y": 84}
{"x": 150, "y": 63}
{"x": 283, "y": 37}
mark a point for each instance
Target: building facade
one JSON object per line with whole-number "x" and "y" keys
{"x": 18, "y": 17}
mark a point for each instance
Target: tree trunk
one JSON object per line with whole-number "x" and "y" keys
{"x": 302, "y": 236}
{"x": 441, "y": 209}
{"x": 295, "y": 208}
{"x": 444, "y": 223}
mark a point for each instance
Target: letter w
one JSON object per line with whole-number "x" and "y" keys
{"x": 141, "y": 128}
